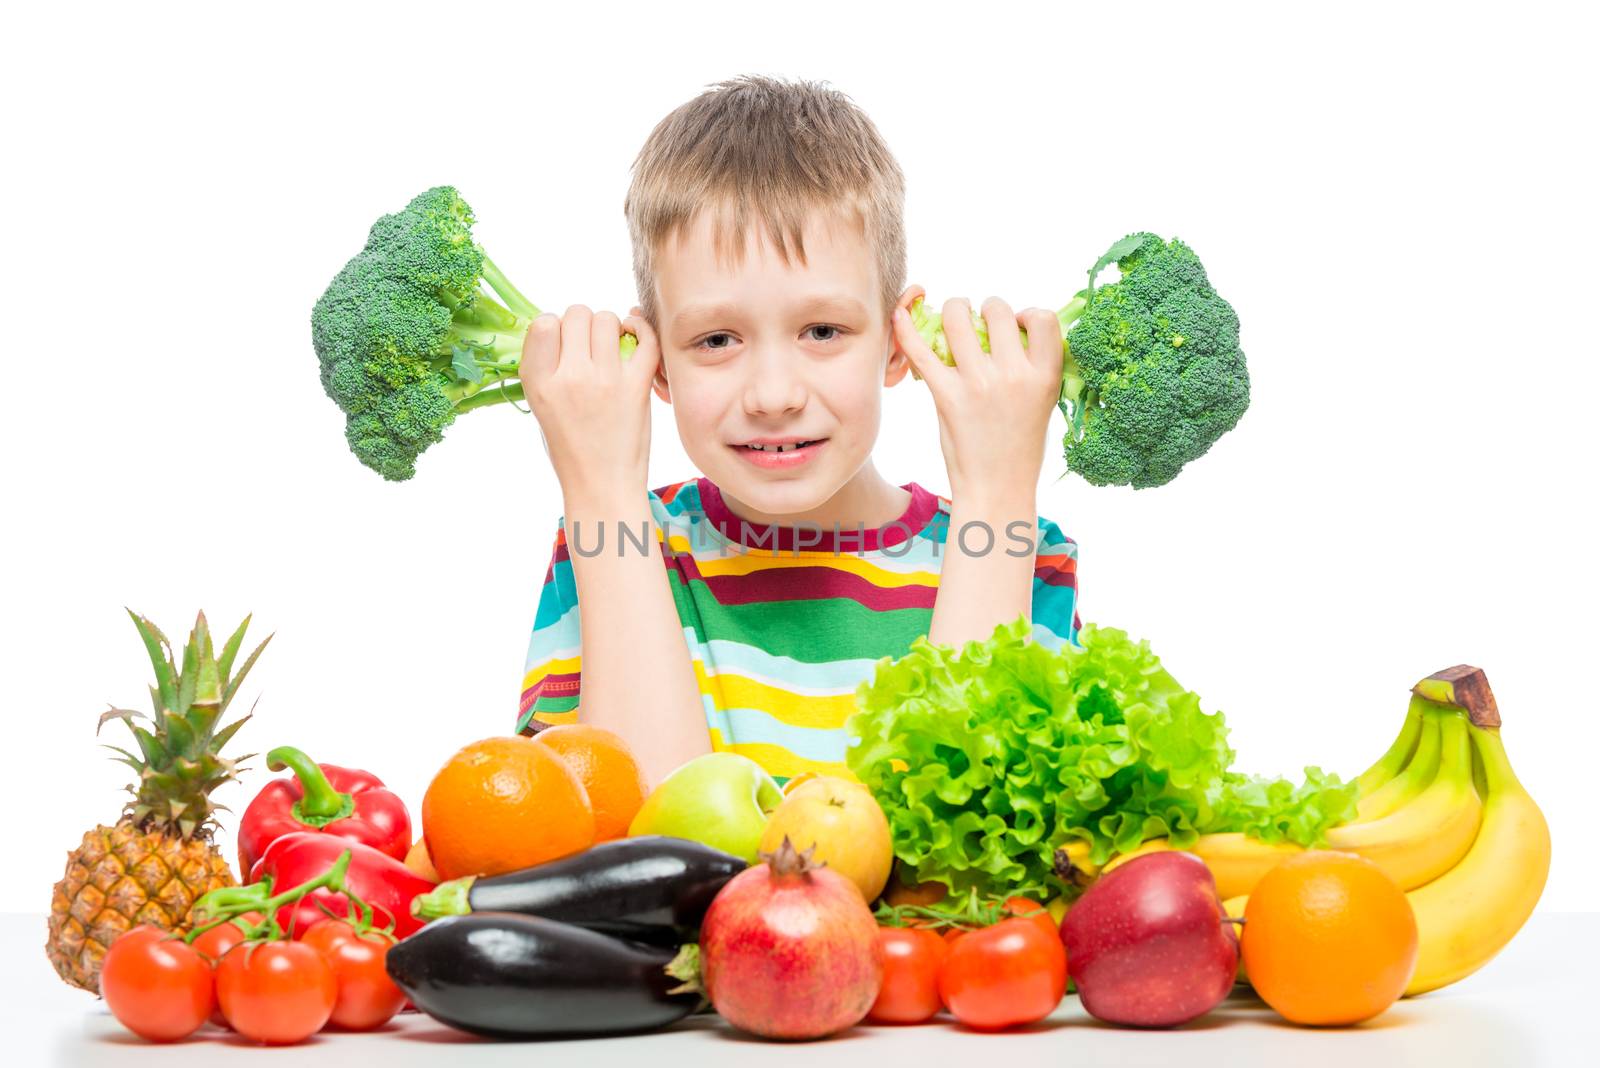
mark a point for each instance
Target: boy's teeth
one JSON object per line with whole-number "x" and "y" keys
{"x": 778, "y": 448}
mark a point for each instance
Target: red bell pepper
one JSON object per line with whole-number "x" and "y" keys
{"x": 344, "y": 802}
{"x": 384, "y": 883}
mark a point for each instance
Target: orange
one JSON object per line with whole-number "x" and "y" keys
{"x": 419, "y": 862}
{"x": 903, "y": 893}
{"x": 1329, "y": 939}
{"x": 799, "y": 780}
{"x": 606, "y": 767}
{"x": 503, "y": 804}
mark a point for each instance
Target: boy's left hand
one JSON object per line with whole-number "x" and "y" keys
{"x": 994, "y": 407}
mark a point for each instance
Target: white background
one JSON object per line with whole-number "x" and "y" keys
{"x": 1398, "y": 200}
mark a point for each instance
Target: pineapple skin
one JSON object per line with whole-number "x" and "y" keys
{"x": 118, "y": 878}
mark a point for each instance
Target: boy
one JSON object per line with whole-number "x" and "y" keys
{"x": 769, "y": 254}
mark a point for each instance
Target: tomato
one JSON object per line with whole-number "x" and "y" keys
{"x": 276, "y": 992}
{"x": 155, "y": 985}
{"x": 217, "y": 941}
{"x": 912, "y": 957}
{"x": 367, "y": 997}
{"x": 1004, "y": 976}
{"x": 1026, "y": 906}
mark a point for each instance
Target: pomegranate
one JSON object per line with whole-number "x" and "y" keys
{"x": 788, "y": 949}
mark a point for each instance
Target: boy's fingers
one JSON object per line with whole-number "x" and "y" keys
{"x": 1005, "y": 342}
{"x": 1045, "y": 348}
{"x": 575, "y": 327}
{"x": 971, "y": 361}
{"x": 647, "y": 356}
{"x": 928, "y": 365}
{"x": 541, "y": 350}
{"x": 605, "y": 338}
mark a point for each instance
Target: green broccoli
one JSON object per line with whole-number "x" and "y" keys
{"x": 408, "y": 338}
{"x": 1153, "y": 375}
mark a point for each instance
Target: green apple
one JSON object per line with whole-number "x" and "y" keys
{"x": 720, "y": 799}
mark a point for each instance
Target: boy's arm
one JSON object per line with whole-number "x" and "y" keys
{"x": 638, "y": 679}
{"x": 987, "y": 577}
{"x": 994, "y": 409}
{"x": 594, "y": 410}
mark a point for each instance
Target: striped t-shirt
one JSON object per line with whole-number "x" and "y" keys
{"x": 783, "y": 623}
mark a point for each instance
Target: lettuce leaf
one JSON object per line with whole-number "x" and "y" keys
{"x": 988, "y": 758}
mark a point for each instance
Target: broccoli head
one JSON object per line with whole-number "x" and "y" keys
{"x": 408, "y": 337}
{"x": 1152, "y": 374}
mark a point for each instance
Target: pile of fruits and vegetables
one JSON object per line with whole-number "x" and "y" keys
{"x": 1018, "y": 823}
{"x": 1022, "y": 825}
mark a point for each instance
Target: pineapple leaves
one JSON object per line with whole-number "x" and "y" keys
{"x": 148, "y": 745}
{"x": 124, "y": 757}
{"x": 180, "y": 736}
{"x": 160, "y": 651}
{"x": 230, "y": 649}
{"x": 208, "y": 690}
{"x": 233, "y": 683}
{"x": 188, "y": 677}
{"x": 178, "y": 761}
{"x": 127, "y": 715}
{"x": 222, "y": 737}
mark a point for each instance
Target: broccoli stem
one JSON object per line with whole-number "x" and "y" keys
{"x": 1073, "y": 399}
{"x": 507, "y": 292}
{"x": 506, "y": 392}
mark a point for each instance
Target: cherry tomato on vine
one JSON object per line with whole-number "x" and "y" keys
{"x": 1027, "y": 906}
{"x": 155, "y": 985}
{"x": 367, "y": 997}
{"x": 214, "y": 943}
{"x": 912, "y": 957}
{"x": 1004, "y": 976}
{"x": 276, "y": 992}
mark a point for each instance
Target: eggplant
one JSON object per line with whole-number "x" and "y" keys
{"x": 651, "y": 889}
{"x": 504, "y": 975}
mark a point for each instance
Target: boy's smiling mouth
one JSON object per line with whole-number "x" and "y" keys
{"x": 779, "y": 452}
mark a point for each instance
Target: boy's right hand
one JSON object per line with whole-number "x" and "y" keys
{"x": 593, "y": 407}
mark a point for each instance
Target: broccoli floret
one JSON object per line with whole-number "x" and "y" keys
{"x": 1152, "y": 374}
{"x": 408, "y": 338}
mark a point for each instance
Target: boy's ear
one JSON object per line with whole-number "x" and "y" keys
{"x": 659, "y": 383}
{"x": 899, "y": 363}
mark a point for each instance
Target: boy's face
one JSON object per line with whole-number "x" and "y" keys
{"x": 772, "y": 353}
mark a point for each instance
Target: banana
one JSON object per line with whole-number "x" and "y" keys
{"x": 1233, "y": 907}
{"x": 1399, "y": 753}
{"x": 1414, "y": 777}
{"x": 1467, "y": 915}
{"x": 1149, "y": 845}
{"x": 1238, "y": 861}
{"x": 1430, "y": 834}
{"x": 1428, "y": 811}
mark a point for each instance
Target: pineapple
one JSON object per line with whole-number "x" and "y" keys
{"x": 152, "y": 864}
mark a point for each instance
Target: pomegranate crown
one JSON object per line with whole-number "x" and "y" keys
{"x": 787, "y": 860}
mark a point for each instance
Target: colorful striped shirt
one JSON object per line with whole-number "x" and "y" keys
{"x": 783, "y": 623}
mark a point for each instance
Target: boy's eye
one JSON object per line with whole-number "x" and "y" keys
{"x": 711, "y": 342}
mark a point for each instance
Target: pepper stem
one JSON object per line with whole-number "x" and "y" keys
{"x": 321, "y": 803}
{"x": 450, "y": 898}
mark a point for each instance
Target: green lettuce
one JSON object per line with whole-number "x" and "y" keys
{"x": 988, "y": 758}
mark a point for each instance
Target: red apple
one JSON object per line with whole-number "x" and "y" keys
{"x": 1149, "y": 944}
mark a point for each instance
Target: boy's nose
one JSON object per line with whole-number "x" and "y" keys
{"x": 774, "y": 388}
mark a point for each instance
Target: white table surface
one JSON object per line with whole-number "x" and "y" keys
{"x": 1537, "y": 1003}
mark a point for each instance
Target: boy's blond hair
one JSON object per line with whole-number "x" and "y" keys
{"x": 761, "y": 147}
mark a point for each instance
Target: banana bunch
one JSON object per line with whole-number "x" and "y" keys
{"x": 1444, "y": 815}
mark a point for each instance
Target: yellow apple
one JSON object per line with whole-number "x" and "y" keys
{"x": 842, "y": 822}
